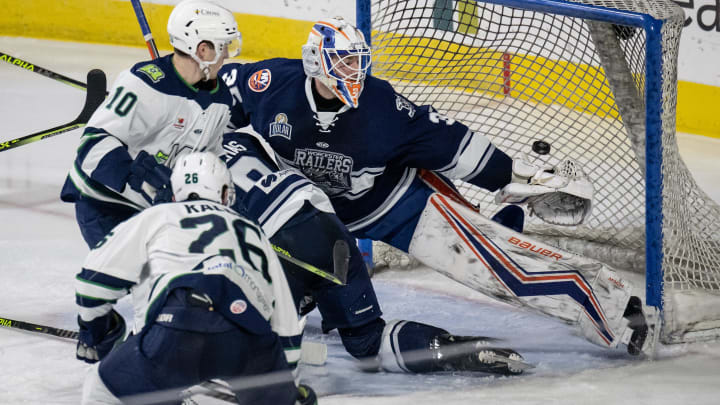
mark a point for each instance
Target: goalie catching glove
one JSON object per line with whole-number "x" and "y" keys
{"x": 560, "y": 195}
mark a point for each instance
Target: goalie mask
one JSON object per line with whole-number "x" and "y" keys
{"x": 336, "y": 54}
{"x": 194, "y": 21}
{"x": 202, "y": 175}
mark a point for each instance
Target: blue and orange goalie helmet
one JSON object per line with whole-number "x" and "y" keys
{"x": 337, "y": 54}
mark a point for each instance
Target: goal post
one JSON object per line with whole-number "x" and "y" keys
{"x": 597, "y": 79}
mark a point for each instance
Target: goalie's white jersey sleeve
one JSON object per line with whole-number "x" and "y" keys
{"x": 150, "y": 108}
{"x": 196, "y": 244}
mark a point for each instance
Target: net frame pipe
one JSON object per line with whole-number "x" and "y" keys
{"x": 653, "y": 112}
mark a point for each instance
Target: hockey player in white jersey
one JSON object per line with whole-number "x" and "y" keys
{"x": 209, "y": 296}
{"x": 156, "y": 112}
{"x": 385, "y": 164}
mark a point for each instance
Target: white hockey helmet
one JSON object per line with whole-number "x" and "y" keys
{"x": 194, "y": 21}
{"x": 336, "y": 53}
{"x": 202, "y": 175}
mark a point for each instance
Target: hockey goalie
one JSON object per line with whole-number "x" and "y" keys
{"x": 386, "y": 165}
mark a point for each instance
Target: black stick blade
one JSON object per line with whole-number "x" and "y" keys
{"x": 96, "y": 84}
{"x": 94, "y": 97}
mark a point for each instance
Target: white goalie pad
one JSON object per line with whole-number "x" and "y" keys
{"x": 514, "y": 268}
{"x": 560, "y": 195}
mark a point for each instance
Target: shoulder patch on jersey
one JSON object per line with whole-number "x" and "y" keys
{"x": 152, "y": 71}
{"x": 401, "y": 103}
{"x": 260, "y": 80}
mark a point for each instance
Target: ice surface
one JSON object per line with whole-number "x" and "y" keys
{"x": 42, "y": 251}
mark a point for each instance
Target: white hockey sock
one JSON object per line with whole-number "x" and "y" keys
{"x": 390, "y": 357}
{"x": 94, "y": 389}
{"x": 405, "y": 347}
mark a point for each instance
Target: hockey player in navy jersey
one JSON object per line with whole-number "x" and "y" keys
{"x": 385, "y": 162}
{"x": 209, "y": 296}
{"x": 297, "y": 217}
{"x": 156, "y": 112}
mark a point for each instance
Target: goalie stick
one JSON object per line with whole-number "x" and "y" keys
{"x": 95, "y": 96}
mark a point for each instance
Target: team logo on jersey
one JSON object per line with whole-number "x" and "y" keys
{"x": 260, "y": 80}
{"x": 180, "y": 123}
{"x": 238, "y": 307}
{"x": 280, "y": 126}
{"x": 152, "y": 71}
{"x": 161, "y": 157}
{"x": 401, "y": 103}
{"x": 329, "y": 170}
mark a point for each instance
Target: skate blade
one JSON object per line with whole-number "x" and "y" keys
{"x": 514, "y": 366}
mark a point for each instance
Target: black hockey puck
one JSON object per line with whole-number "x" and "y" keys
{"x": 541, "y": 147}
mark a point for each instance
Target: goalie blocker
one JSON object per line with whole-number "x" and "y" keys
{"x": 505, "y": 264}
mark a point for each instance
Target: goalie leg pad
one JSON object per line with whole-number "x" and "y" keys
{"x": 509, "y": 266}
{"x": 613, "y": 293}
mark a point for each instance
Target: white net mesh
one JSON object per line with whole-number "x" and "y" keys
{"x": 519, "y": 76}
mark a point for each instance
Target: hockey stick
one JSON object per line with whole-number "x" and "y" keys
{"x": 145, "y": 28}
{"x": 31, "y": 327}
{"x": 93, "y": 99}
{"x": 211, "y": 387}
{"x": 341, "y": 260}
{"x": 45, "y": 72}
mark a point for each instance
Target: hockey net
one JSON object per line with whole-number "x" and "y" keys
{"x": 600, "y": 89}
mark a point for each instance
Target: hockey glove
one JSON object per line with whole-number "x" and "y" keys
{"x": 146, "y": 171}
{"x": 560, "y": 195}
{"x": 99, "y": 336}
{"x": 306, "y": 395}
